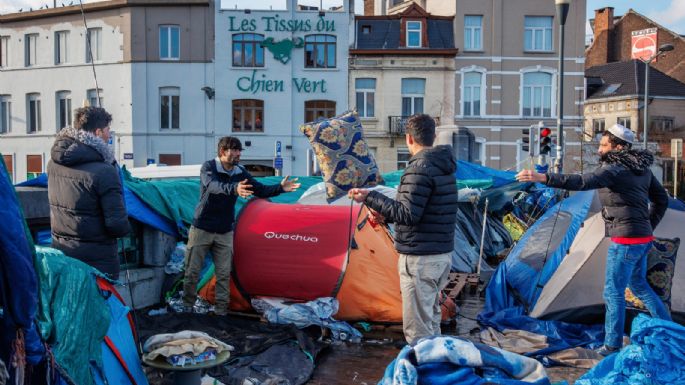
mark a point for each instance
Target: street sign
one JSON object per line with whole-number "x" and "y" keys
{"x": 151, "y": 161}
{"x": 278, "y": 148}
{"x": 278, "y": 163}
{"x": 128, "y": 155}
{"x": 677, "y": 148}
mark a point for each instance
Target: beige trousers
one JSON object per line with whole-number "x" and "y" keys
{"x": 221, "y": 245}
{"x": 422, "y": 278}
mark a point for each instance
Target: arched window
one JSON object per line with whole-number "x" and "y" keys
{"x": 248, "y": 115}
{"x": 318, "y": 109}
{"x": 537, "y": 95}
{"x": 247, "y": 50}
{"x": 471, "y": 93}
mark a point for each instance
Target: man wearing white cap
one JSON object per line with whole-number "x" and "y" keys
{"x": 626, "y": 187}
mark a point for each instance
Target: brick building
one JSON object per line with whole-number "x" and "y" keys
{"x": 612, "y": 42}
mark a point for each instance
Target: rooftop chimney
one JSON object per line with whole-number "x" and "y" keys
{"x": 368, "y": 7}
{"x": 601, "y": 51}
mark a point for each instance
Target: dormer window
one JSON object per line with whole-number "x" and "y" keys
{"x": 413, "y": 34}
{"x": 366, "y": 29}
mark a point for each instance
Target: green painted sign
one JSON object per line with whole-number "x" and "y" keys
{"x": 278, "y": 24}
{"x": 282, "y": 49}
{"x": 255, "y": 84}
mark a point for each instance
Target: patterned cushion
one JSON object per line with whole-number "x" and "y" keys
{"x": 342, "y": 153}
{"x": 660, "y": 270}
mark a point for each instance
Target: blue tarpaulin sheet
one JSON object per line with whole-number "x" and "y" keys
{"x": 466, "y": 170}
{"x": 656, "y": 355}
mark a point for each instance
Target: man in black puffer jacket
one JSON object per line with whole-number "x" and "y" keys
{"x": 87, "y": 212}
{"x": 626, "y": 186}
{"x": 424, "y": 213}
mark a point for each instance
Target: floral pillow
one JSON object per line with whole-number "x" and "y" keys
{"x": 342, "y": 153}
{"x": 660, "y": 270}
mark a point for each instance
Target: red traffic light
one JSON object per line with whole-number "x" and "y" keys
{"x": 545, "y": 131}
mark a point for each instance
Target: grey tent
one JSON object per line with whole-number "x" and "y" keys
{"x": 574, "y": 292}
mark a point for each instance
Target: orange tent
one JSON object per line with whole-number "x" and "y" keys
{"x": 301, "y": 252}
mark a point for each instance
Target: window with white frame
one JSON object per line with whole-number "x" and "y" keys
{"x": 624, "y": 121}
{"x": 473, "y": 33}
{"x": 5, "y": 114}
{"x": 4, "y": 51}
{"x": 537, "y": 35}
{"x": 471, "y": 93}
{"x": 413, "y": 34}
{"x": 94, "y": 45}
{"x": 413, "y": 90}
{"x": 33, "y": 116}
{"x": 598, "y": 127}
{"x": 30, "y": 49}
{"x": 63, "y": 106}
{"x": 170, "y": 104}
{"x": 537, "y": 95}
{"x": 61, "y": 44}
{"x": 248, "y": 115}
{"x": 366, "y": 90}
{"x": 93, "y": 96}
{"x": 403, "y": 157}
{"x": 479, "y": 151}
{"x": 169, "y": 42}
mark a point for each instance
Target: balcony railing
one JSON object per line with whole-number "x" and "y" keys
{"x": 397, "y": 124}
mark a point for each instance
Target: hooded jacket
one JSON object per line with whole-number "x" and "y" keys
{"x": 87, "y": 212}
{"x": 626, "y": 187}
{"x": 425, "y": 208}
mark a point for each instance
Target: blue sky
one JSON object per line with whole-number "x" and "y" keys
{"x": 669, "y": 13}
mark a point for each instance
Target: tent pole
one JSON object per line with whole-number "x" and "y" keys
{"x": 482, "y": 236}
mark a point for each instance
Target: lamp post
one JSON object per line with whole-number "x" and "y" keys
{"x": 562, "y": 13}
{"x": 645, "y": 124}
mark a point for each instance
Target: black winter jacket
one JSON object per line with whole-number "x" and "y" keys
{"x": 425, "y": 209}
{"x": 87, "y": 212}
{"x": 218, "y": 193}
{"x": 626, "y": 186}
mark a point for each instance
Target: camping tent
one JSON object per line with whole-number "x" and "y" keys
{"x": 301, "y": 252}
{"x": 534, "y": 259}
{"x": 574, "y": 292}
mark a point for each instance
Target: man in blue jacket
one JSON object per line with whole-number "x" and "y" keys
{"x": 424, "y": 213}
{"x": 626, "y": 187}
{"x": 223, "y": 180}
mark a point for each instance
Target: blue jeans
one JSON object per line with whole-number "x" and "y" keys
{"x": 627, "y": 267}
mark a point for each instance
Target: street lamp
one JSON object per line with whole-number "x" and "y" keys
{"x": 562, "y": 13}
{"x": 662, "y": 49}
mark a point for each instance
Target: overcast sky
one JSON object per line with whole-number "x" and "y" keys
{"x": 669, "y": 13}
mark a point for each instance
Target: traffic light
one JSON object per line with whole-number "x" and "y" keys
{"x": 545, "y": 139}
{"x": 525, "y": 146}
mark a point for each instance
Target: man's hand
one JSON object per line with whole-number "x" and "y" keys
{"x": 244, "y": 189}
{"x": 375, "y": 217}
{"x": 289, "y": 185}
{"x": 531, "y": 176}
{"x": 358, "y": 194}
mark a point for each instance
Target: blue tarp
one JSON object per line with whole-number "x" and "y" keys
{"x": 446, "y": 360}
{"x": 18, "y": 283}
{"x": 655, "y": 356}
{"x": 676, "y": 204}
{"x": 466, "y": 170}
{"x": 519, "y": 280}
{"x": 137, "y": 209}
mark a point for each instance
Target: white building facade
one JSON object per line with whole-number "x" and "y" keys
{"x": 275, "y": 70}
{"x": 149, "y": 77}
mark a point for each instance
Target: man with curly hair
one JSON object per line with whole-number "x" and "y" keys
{"x": 626, "y": 187}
